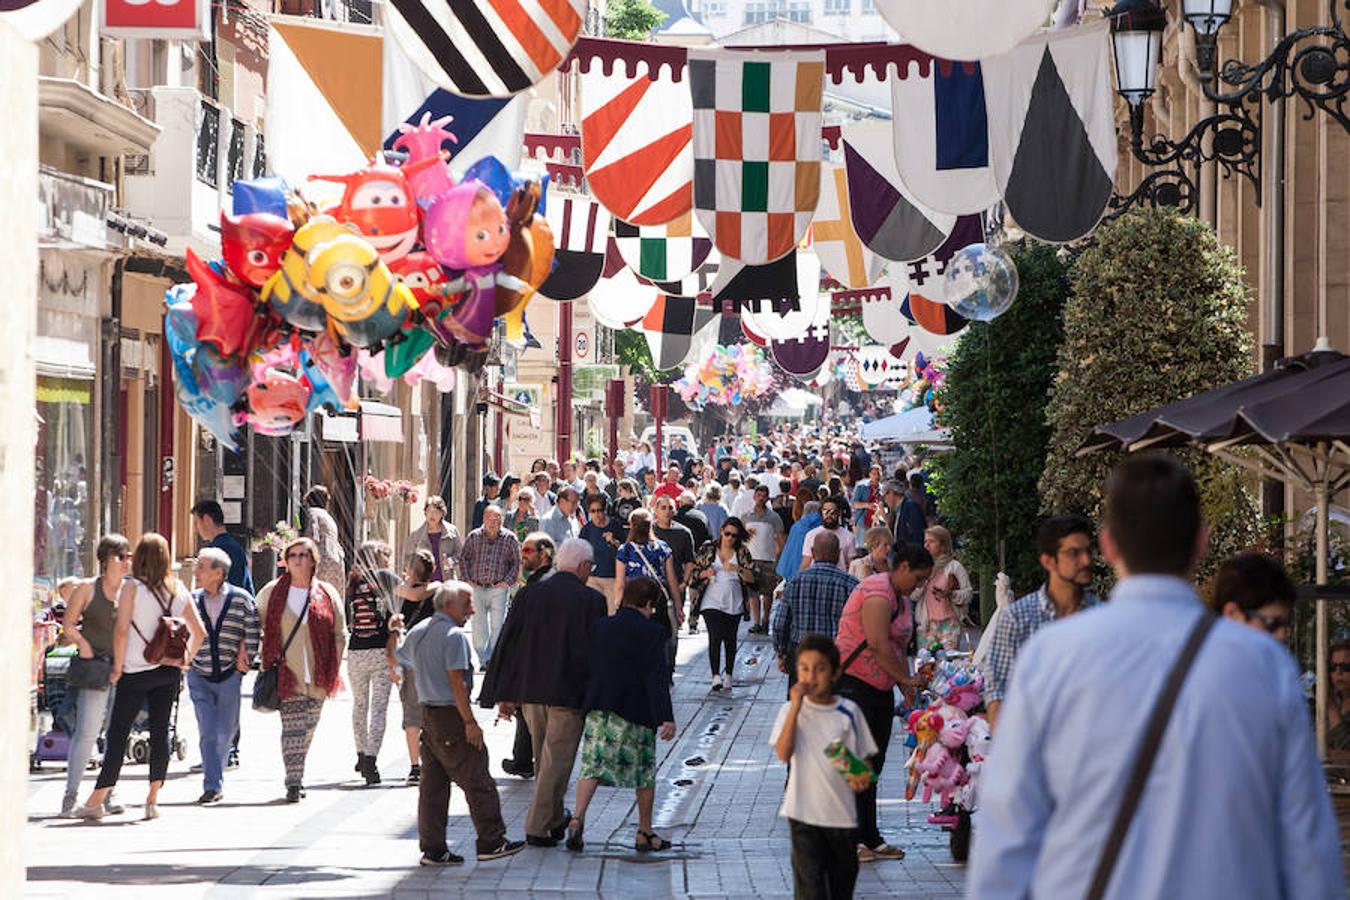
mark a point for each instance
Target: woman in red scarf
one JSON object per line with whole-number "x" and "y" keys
{"x": 301, "y": 605}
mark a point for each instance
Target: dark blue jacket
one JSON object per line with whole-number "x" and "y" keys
{"x": 629, "y": 674}
{"x": 241, "y": 574}
{"x": 910, "y": 522}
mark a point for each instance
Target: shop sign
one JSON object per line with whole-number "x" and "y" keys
{"x": 183, "y": 20}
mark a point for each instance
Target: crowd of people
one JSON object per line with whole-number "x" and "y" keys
{"x": 562, "y": 604}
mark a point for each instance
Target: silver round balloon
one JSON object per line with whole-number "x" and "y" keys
{"x": 981, "y": 282}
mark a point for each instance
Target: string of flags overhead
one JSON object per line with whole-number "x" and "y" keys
{"x": 705, "y": 180}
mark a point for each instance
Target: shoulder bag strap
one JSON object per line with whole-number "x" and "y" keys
{"x": 294, "y": 628}
{"x": 1145, "y": 754}
{"x": 167, "y": 612}
{"x": 857, "y": 651}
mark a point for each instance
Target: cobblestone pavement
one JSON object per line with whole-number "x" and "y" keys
{"x": 718, "y": 791}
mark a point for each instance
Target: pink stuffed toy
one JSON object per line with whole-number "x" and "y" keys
{"x": 942, "y": 774}
{"x": 952, "y": 734}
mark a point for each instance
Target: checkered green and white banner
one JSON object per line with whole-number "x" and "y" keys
{"x": 663, "y": 253}
{"x": 757, "y": 148}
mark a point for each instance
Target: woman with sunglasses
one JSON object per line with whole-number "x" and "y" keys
{"x": 520, "y": 516}
{"x": 303, "y": 633}
{"x": 723, "y": 572}
{"x": 91, "y": 617}
{"x": 1254, "y": 589}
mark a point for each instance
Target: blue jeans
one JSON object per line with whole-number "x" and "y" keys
{"x": 217, "y": 708}
{"x": 91, "y": 711}
{"x": 489, "y": 612}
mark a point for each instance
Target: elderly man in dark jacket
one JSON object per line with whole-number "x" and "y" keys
{"x": 541, "y": 668}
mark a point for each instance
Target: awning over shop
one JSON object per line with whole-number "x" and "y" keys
{"x": 376, "y": 423}
{"x": 381, "y": 422}
{"x": 914, "y": 426}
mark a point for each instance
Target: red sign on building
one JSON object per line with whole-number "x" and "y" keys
{"x": 184, "y": 20}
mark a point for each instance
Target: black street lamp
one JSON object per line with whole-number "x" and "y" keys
{"x": 1312, "y": 63}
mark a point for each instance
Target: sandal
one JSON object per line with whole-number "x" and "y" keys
{"x": 650, "y": 842}
{"x": 576, "y": 831}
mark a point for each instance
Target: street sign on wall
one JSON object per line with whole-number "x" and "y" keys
{"x": 184, "y": 20}
{"x": 583, "y": 333}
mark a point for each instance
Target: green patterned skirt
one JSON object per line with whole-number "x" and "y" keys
{"x": 618, "y": 753}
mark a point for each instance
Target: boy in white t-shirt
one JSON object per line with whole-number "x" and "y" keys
{"x": 819, "y": 803}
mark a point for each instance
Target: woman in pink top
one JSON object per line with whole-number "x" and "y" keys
{"x": 877, "y": 618}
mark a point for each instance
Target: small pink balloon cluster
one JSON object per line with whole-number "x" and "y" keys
{"x": 728, "y": 376}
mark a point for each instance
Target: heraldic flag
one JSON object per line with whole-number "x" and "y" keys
{"x": 756, "y": 148}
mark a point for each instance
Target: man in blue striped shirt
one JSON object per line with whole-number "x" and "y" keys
{"x": 231, "y": 621}
{"x": 812, "y": 602}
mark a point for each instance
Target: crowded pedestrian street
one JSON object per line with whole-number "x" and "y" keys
{"x": 715, "y": 449}
{"x": 717, "y": 800}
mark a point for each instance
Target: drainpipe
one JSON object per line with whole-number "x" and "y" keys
{"x": 110, "y": 402}
{"x": 1272, "y": 281}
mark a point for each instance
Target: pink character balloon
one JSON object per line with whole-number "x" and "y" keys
{"x": 465, "y": 230}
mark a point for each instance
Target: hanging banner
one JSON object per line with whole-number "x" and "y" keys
{"x": 836, "y": 242}
{"x": 485, "y": 49}
{"x": 782, "y": 318}
{"x": 635, "y": 143}
{"x": 926, "y": 300}
{"x": 663, "y": 253}
{"x": 675, "y": 327}
{"x": 965, "y": 29}
{"x": 756, "y": 148}
{"x": 889, "y": 221}
{"x": 581, "y": 235}
{"x": 1053, "y": 132}
{"x": 163, "y": 20}
{"x": 940, "y": 136}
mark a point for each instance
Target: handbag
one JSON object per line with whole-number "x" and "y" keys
{"x": 90, "y": 674}
{"x": 168, "y": 646}
{"x": 1145, "y": 754}
{"x": 660, "y": 582}
{"x": 266, "y": 690}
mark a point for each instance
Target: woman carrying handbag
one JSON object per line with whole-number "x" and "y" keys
{"x": 303, "y": 631}
{"x": 647, "y": 557}
{"x": 89, "y": 623}
{"x": 156, "y": 635}
{"x": 724, "y": 573}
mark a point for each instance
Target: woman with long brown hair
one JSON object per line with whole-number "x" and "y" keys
{"x": 150, "y": 600}
{"x": 303, "y": 631}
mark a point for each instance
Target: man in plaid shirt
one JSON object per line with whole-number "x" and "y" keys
{"x": 813, "y": 600}
{"x": 1065, "y": 545}
{"x": 490, "y": 562}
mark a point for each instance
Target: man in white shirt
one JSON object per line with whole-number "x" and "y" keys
{"x": 832, "y": 512}
{"x": 767, "y": 537}
{"x": 1236, "y": 802}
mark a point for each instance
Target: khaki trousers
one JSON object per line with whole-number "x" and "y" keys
{"x": 555, "y": 732}
{"x": 606, "y": 587}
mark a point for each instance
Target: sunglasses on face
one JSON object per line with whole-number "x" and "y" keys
{"x": 1271, "y": 624}
{"x": 1339, "y": 667}
{"x": 730, "y": 534}
{"x": 297, "y": 556}
{"x": 526, "y": 551}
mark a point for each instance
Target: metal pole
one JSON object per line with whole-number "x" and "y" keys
{"x": 564, "y": 411}
{"x": 499, "y": 432}
{"x": 1322, "y": 624}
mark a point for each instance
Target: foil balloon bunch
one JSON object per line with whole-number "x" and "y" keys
{"x": 409, "y": 269}
{"x": 728, "y": 376}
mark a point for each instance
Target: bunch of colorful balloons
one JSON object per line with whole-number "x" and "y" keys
{"x": 922, "y": 389}
{"x": 727, "y": 377}
{"x": 304, "y": 299}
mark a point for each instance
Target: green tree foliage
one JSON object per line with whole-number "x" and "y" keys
{"x": 993, "y": 399}
{"x": 631, "y": 20}
{"x": 1158, "y": 313}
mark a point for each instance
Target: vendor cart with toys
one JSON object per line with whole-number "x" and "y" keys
{"x": 950, "y": 739}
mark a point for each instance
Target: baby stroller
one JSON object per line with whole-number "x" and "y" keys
{"x": 54, "y": 709}
{"x": 138, "y": 741}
